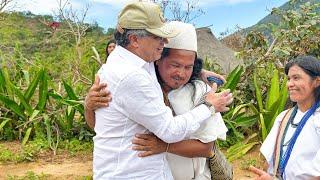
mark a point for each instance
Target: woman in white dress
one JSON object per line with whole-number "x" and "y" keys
{"x": 294, "y": 153}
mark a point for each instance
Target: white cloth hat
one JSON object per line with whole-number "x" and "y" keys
{"x": 186, "y": 39}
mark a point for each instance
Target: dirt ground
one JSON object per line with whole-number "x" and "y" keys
{"x": 63, "y": 166}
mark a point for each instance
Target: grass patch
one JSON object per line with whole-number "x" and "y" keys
{"x": 30, "y": 175}
{"x": 244, "y": 165}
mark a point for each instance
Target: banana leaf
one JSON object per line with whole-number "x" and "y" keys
{"x": 258, "y": 92}
{"x": 25, "y": 106}
{"x": 71, "y": 94}
{"x": 26, "y": 136}
{"x": 273, "y": 93}
{"x": 13, "y": 106}
{"x": 234, "y": 78}
{"x": 32, "y": 87}
{"x": 43, "y": 91}
{"x": 3, "y": 123}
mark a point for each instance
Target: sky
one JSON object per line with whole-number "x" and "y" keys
{"x": 220, "y": 15}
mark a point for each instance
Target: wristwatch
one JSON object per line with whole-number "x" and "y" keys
{"x": 210, "y": 106}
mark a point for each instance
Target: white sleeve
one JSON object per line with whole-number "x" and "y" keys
{"x": 211, "y": 130}
{"x": 312, "y": 167}
{"x": 267, "y": 148}
{"x": 215, "y": 127}
{"x": 147, "y": 108}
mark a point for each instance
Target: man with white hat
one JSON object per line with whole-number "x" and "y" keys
{"x": 137, "y": 105}
{"x": 178, "y": 74}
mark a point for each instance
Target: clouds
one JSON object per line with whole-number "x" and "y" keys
{"x": 47, "y": 6}
{"x": 116, "y": 3}
{"x": 37, "y": 6}
{"x": 120, "y": 3}
{"x": 222, "y": 2}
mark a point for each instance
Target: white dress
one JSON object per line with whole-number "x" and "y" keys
{"x": 304, "y": 161}
{"x": 182, "y": 100}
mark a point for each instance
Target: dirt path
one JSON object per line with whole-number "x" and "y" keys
{"x": 69, "y": 169}
{"x": 63, "y": 166}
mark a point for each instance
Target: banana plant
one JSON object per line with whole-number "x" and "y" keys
{"x": 18, "y": 101}
{"x": 233, "y": 78}
{"x": 73, "y": 105}
{"x": 239, "y": 118}
{"x": 274, "y": 104}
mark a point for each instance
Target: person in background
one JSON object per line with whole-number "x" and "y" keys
{"x": 110, "y": 47}
{"x": 292, "y": 148}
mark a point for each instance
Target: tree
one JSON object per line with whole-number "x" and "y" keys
{"x": 76, "y": 27}
{"x": 5, "y": 4}
{"x": 185, "y": 11}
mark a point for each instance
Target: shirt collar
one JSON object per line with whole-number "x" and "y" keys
{"x": 132, "y": 58}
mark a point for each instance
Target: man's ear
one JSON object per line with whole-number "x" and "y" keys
{"x": 317, "y": 81}
{"x": 133, "y": 40}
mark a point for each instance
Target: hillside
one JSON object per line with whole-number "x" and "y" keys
{"x": 33, "y": 42}
{"x": 262, "y": 25}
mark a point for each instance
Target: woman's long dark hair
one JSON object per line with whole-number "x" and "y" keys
{"x": 109, "y": 42}
{"x": 309, "y": 65}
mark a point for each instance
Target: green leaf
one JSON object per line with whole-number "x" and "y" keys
{"x": 34, "y": 114}
{"x": 240, "y": 150}
{"x": 3, "y": 123}
{"x": 70, "y": 116}
{"x": 22, "y": 100}
{"x": 284, "y": 95}
{"x": 263, "y": 127}
{"x": 70, "y": 91}
{"x": 48, "y": 129}
{"x": 239, "y": 108}
{"x": 273, "y": 93}
{"x": 258, "y": 91}
{"x": 26, "y": 136}
{"x": 8, "y": 84}
{"x": 2, "y": 82}
{"x": 234, "y": 78}
{"x": 32, "y": 87}
{"x": 43, "y": 92}
{"x": 13, "y": 106}
{"x": 55, "y": 96}
{"x": 246, "y": 121}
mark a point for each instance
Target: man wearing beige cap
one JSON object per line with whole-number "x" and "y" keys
{"x": 137, "y": 105}
{"x": 178, "y": 74}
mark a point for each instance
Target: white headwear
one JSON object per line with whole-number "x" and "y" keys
{"x": 186, "y": 39}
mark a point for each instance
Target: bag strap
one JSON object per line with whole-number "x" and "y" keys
{"x": 277, "y": 147}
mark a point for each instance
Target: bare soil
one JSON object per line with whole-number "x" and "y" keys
{"x": 65, "y": 166}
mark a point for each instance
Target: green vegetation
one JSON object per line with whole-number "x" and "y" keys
{"x": 45, "y": 73}
{"x": 261, "y": 93}
{"x": 29, "y": 176}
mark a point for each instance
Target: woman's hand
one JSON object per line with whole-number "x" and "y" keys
{"x": 262, "y": 175}
{"x": 149, "y": 144}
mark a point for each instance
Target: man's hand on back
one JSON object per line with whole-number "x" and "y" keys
{"x": 98, "y": 96}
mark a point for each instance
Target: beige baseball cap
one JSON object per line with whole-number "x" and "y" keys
{"x": 145, "y": 15}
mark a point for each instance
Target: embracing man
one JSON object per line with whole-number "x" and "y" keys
{"x": 138, "y": 106}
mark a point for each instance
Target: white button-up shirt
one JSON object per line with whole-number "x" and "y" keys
{"x": 137, "y": 107}
{"x": 304, "y": 161}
